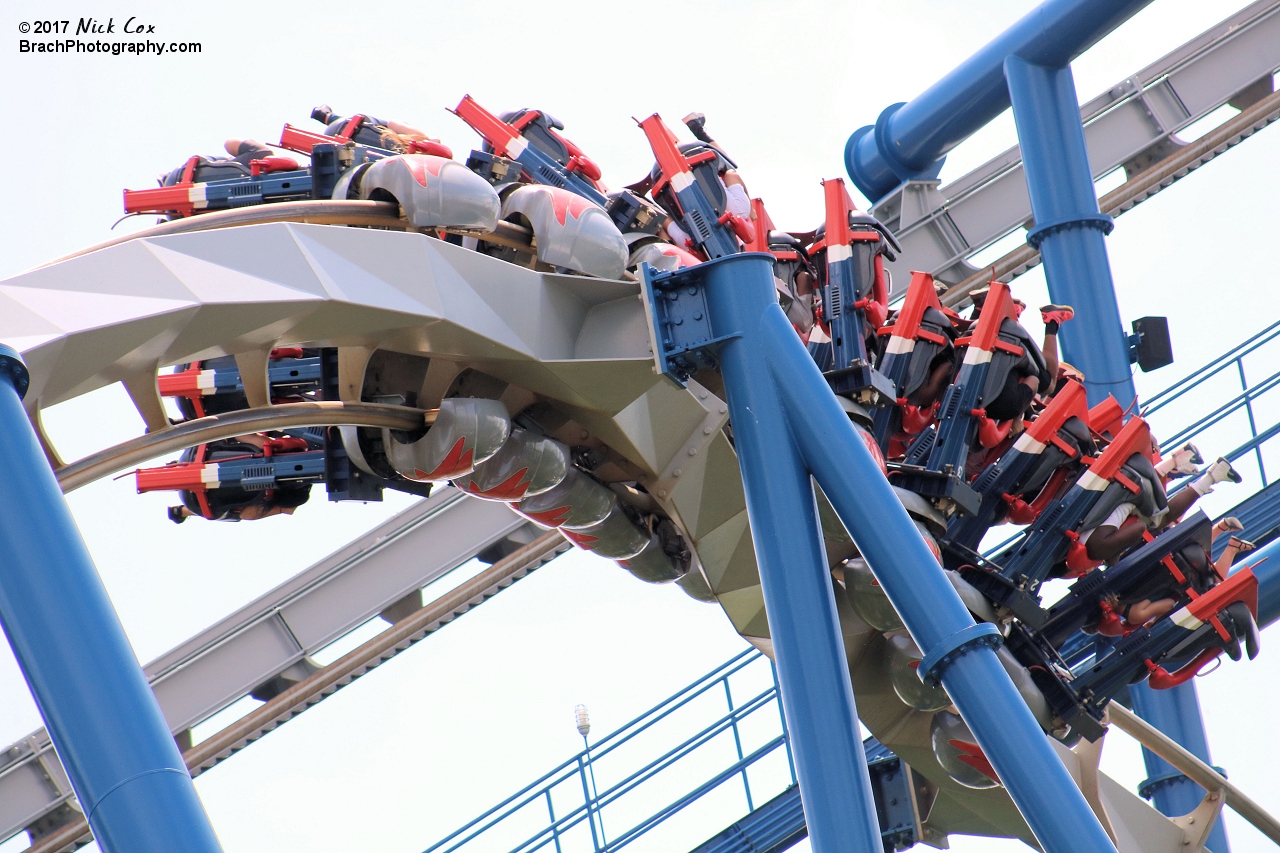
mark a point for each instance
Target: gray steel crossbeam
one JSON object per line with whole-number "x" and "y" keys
{"x": 278, "y": 631}
{"x": 32, "y": 783}
{"x": 311, "y": 610}
{"x": 1130, "y": 126}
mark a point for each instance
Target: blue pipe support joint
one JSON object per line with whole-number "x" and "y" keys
{"x": 1070, "y": 230}
{"x": 868, "y": 184}
{"x": 1176, "y": 712}
{"x": 1150, "y": 787}
{"x": 12, "y": 365}
{"x": 903, "y": 170}
{"x": 944, "y": 653}
{"x": 894, "y": 170}
{"x": 1097, "y": 221}
{"x": 925, "y": 129}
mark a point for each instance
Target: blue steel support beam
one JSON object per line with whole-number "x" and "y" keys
{"x": 909, "y": 141}
{"x": 125, "y": 768}
{"x": 784, "y": 413}
{"x": 813, "y": 675}
{"x": 1070, "y": 232}
{"x": 1265, "y": 563}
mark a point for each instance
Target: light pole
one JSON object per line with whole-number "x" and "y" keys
{"x": 583, "y": 721}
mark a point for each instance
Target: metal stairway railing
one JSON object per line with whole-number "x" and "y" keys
{"x": 1245, "y": 400}
{"x": 527, "y": 821}
{"x": 716, "y": 752}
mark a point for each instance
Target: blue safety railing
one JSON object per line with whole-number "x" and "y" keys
{"x": 564, "y": 812}
{"x": 1243, "y": 401}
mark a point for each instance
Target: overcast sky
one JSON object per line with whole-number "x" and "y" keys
{"x": 446, "y": 730}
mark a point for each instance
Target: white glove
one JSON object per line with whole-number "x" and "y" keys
{"x": 1217, "y": 472}
{"x": 1182, "y": 461}
{"x": 678, "y": 236}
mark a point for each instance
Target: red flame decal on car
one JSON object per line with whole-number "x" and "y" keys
{"x": 582, "y": 540}
{"x": 455, "y": 464}
{"x": 420, "y": 165}
{"x": 551, "y": 517}
{"x": 510, "y": 489}
{"x": 568, "y": 204}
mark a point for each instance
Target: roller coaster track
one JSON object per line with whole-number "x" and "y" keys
{"x": 365, "y": 214}
{"x": 1133, "y": 192}
{"x": 214, "y": 427}
{"x": 1195, "y": 769}
{"x": 400, "y": 636}
{"x": 332, "y": 678}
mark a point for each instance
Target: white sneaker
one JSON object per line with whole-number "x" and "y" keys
{"x": 1218, "y": 472}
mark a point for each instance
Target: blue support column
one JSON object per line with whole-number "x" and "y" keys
{"x": 1265, "y": 563}
{"x": 788, "y": 425}
{"x": 958, "y": 653}
{"x": 1070, "y": 232}
{"x": 813, "y": 675}
{"x": 104, "y": 721}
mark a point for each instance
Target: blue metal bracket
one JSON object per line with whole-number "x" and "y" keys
{"x": 1148, "y": 788}
{"x": 941, "y": 655}
{"x": 15, "y": 368}
{"x": 1100, "y": 221}
{"x": 1133, "y": 341}
{"x": 896, "y": 802}
{"x": 679, "y": 323}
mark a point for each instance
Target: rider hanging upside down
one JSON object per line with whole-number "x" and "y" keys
{"x": 1163, "y": 593}
{"x": 1020, "y": 389}
{"x": 1121, "y": 531}
{"x": 236, "y": 503}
